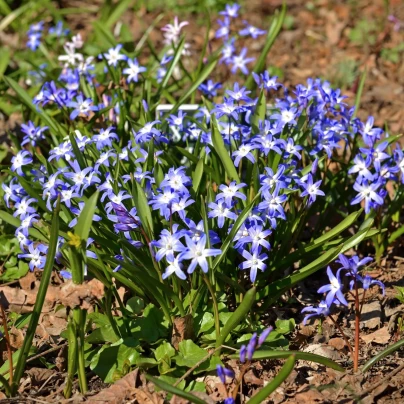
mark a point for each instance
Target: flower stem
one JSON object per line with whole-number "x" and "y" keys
{"x": 357, "y": 323}
{"x": 343, "y": 336}
{"x": 215, "y": 306}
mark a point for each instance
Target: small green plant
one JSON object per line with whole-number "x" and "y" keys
{"x": 393, "y": 55}
{"x": 364, "y": 32}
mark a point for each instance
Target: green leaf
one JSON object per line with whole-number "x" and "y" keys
{"x": 5, "y": 58}
{"x": 204, "y": 323}
{"x": 359, "y": 92}
{"x": 285, "y": 326}
{"x": 143, "y": 210}
{"x": 26, "y": 99}
{"x": 238, "y": 316}
{"x": 13, "y": 273}
{"x": 152, "y": 324}
{"x": 85, "y": 219}
{"x": 202, "y": 77}
{"x": 174, "y": 390}
{"x": 275, "y": 289}
{"x": 388, "y": 351}
{"x": 275, "y": 383}
{"x": 260, "y": 355}
{"x": 259, "y": 113}
{"x": 171, "y": 67}
{"x": 220, "y": 148}
{"x": 135, "y": 305}
{"x": 40, "y": 299}
{"x": 273, "y": 32}
{"x": 295, "y": 256}
{"x": 105, "y": 36}
{"x": 164, "y": 350}
{"x": 189, "y": 354}
{"x": 119, "y": 9}
{"x": 197, "y": 175}
{"x": 114, "y": 358}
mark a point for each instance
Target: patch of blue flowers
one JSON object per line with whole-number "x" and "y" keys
{"x": 281, "y": 152}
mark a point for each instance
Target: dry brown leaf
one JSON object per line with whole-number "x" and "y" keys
{"x": 83, "y": 295}
{"x": 250, "y": 378}
{"x": 21, "y": 301}
{"x": 183, "y": 328}
{"x": 16, "y": 337}
{"x": 381, "y": 336}
{"x": 53, "y": 325}
{"x": 28, "y": 281}
{"x": 145, "y": 397}
{"x": 39, "y": 375}
{"x": 118, "y": 392}
{"x": 337, "y": 343}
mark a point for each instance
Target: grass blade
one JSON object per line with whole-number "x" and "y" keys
{"x": 388, "y": 351}
{"x": 218, "y": 143}
{"x": 272, "y": 34}
{"x": 239, "y": 315}
{"x": 85, "y": 219}
{"x": 359, "y": 93}
{"x": 259, "y": 355}
{"x": 275, "y": 383}
{"x": 43, "y": 287}
{"x": 174, "y": 390}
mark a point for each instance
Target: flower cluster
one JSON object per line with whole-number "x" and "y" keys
{"x": 335, "y": 291}
{"x": 278, "y": 155}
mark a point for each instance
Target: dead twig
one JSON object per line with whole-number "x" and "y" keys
{"x": 381, "y": 381}
{"x": 8, "y": 343}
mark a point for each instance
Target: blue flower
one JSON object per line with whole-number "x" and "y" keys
{"x": 231, "y": 10}
{"x": 312, "y": 189}
{"x": 272, "y": 204}
{"x": 22, "y": 158}
{"x": 22, "y": 207}
{"x": 37, "y": 260}
{"x": 231, "y": 191}
{"x": 239, "y": 94}
{"x": 81, "y": 107}
{"x": 333, "y": 289}
{"x": 253, "y": 262}
{"x": 266, "y": 82}
{"x": 244, "y": 151}
{"x": 224, "y": 30}
{"x": 368, "y": 193}
{"x": 113, "y": 56}
{"x": 251, "y": 31}
{"x": 163, "y": 201}
{"x": 126, "y": 221}
{"x": 168, "y": 244}
{"x": 34, "y": 40}
{"x": 321, "y": 310}
{"x": 133, "y": 70}
{"x": 33, "y": 134}
{"x": 220, "y": 210}
{"x": 210, "y": 88}
{"x": 223, "y": 372}
{"x": 197, "y": 253}
{"x": 361, "y": 167}
{"x": 240, "y": 62}
{"x": 256, "y": 236}
{"x": 105, "y": 138}
{"x": 175, "y": 267}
